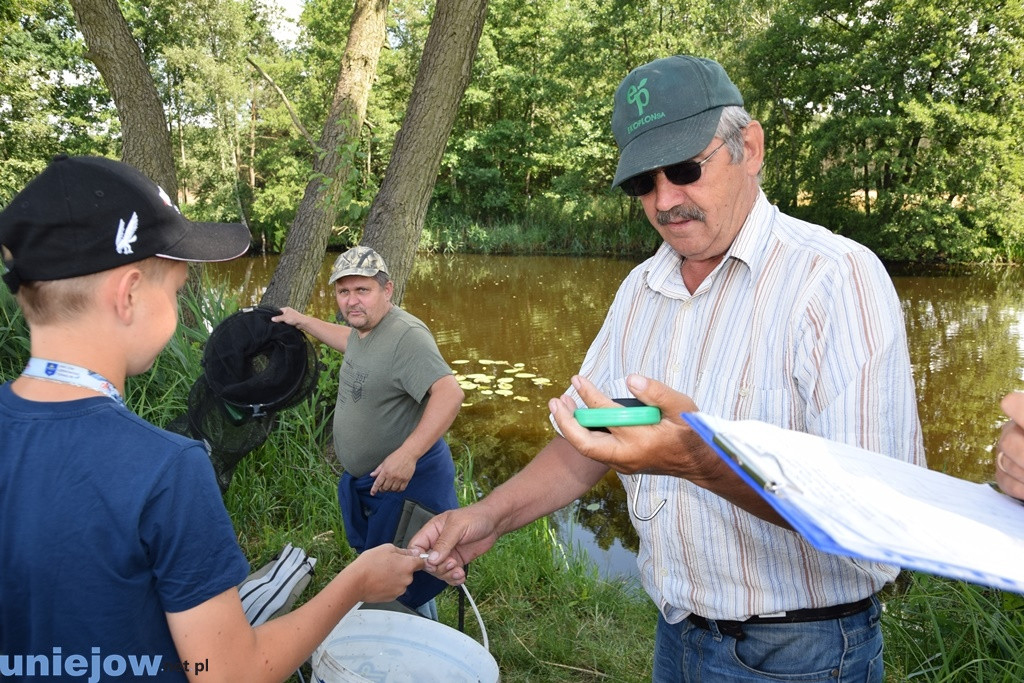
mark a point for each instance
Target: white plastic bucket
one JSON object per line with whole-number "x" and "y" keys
{"x": 394, "y": 647}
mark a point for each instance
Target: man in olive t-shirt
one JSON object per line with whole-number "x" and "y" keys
{"x": 396, "y": 399}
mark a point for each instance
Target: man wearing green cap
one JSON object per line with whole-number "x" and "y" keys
{"x": 396, "y": 399}
{"x": 743, "y": 313}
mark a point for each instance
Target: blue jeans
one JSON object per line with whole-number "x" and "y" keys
{"x": 846, "y": 650}
{"x": 372, "y": 520}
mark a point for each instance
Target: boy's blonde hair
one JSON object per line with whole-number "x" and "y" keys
{"x": 47, "y": 302}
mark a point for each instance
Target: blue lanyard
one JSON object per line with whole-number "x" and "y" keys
{"x": 66, "y": 373}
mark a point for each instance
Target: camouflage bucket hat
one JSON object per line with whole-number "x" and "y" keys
{"x": 358, "y": 261}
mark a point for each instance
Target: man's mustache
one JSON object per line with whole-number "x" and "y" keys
{"x": 680, "y": 212}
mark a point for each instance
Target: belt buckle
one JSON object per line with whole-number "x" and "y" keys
{"x": 773, "y": 615}
{"x": 733, "y": 629}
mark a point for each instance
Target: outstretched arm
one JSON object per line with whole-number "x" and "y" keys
{"x": 557, "y": 476}
{"x": 217, "y": 632}
{"x": 332, "y": 334}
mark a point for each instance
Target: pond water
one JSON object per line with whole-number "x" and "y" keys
{"x": 528, "y": 320}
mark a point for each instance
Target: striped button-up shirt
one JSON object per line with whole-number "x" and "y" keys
{"x": 797, "y": 327}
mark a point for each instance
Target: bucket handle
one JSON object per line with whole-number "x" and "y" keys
{"x": 472, "y": 604}
{"x": 479, "y": 619}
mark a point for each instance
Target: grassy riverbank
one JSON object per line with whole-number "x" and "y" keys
{"x": 548, "y": 231}
{"x": 548, "y": 615}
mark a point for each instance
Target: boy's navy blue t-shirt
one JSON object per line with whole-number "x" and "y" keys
{"x": 106, "y": 523}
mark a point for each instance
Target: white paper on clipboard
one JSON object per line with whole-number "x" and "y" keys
{"x": 849, "y": 501}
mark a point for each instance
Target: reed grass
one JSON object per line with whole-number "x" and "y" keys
{"x": 551, "y": 231}
{"x": 14, "y": 339}
{"x": 548, "y": 615}
{"x": 946, "y": 631}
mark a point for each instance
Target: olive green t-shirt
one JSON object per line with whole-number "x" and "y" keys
{"x": 382, "y": 389}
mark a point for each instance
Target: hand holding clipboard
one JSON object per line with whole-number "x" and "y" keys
{"x": 1010, "y": 447}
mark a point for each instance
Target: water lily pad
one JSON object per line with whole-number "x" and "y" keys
{"x": 504, "y": 392}
{"x": 486, "y": 392}
{"x": 520, "y": 398}
{"x": 468, "y": 386}
{"x": 459, "y": 362}
{"x": 525, "y": 375}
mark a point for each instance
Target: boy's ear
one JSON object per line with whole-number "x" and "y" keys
{"x": 126, "y": 291}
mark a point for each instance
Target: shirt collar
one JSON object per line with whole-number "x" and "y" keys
{"x": 663, "y": 273}
{"x": 751, "y": 243}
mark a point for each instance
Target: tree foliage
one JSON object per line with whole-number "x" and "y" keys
{"x": 51, "y": 99}
{"x": 894, "y": 121}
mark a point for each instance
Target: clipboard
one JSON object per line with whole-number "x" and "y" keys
{"x": 849, "y": 501}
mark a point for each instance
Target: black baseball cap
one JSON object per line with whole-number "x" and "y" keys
{"x": 667, "y": 111}
{"x": 86, "y": 214}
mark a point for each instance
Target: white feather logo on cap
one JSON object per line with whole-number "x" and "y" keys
{"x": 126, "y": 234}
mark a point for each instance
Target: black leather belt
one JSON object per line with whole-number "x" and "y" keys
{"x": 735, "y": 628}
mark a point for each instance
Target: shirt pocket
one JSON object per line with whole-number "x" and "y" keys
{"x": 767, "y": 404}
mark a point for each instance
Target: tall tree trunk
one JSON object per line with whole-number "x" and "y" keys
{"x": 396, "y": 217}
{"x": 145, "y": 138}
{"x": 295, "y": 276}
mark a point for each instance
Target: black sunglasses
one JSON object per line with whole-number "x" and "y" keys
{"x": 683, "y": 173}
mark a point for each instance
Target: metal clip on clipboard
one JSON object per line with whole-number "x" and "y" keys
{"x": 771, "y": 486}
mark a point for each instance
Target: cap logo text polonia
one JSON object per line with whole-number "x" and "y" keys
{"x": 126, "y": 234}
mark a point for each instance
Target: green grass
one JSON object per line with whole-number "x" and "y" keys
{"x": 553, "y": 230}
{"x": 548, "y": 615}
{"x": 14, "y": 341}
{"x": 939, "y": 630}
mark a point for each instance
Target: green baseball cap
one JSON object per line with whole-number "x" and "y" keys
{"x": 667, "y": 111}
{"x": 358, "y": 261}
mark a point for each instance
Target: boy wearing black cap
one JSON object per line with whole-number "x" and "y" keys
{"x": 117, "y": 556}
